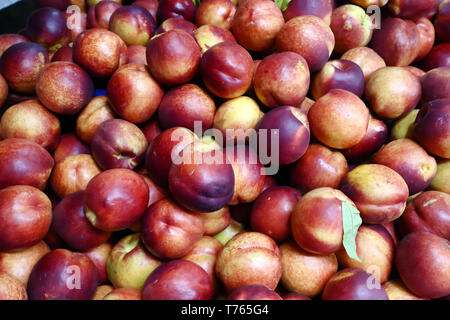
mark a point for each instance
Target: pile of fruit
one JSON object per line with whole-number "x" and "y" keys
{"x": 226, "y": 149}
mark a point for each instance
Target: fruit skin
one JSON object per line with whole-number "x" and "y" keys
{"x": 173, "y": 57}
{"x": 124, "y": 294}
{"x": 150, "y": 5}
{"x": 208, "y": 36}
{"x": 316, "y": 221}
{"x": 11, "y": 288}
{"x": 422, "y": 261}
{"x": 24, "y": 163}
{"x": 115, "y": 199}
{"x": 48, "y": 27}
{"x": 295, "y": 296}
{"x": 178, "y": 280}
{"x": 73, "y": 174}
{"x": 118, "y": 143}
{"x": 249, "y": 258}
{"x": 133, "y": 93}
{"x": 439, "y": 56}
{"x": 426, "y": 37}
{"x": 396, "y": 290}
{"x": 435, "y": 84}
{"x": 129, "y": 263}
{"x": 215, "y": 12}
{"x": 216, "y": 221}
{"x": 169, "y": 231}
{"x": 429, "y": 212}
{"x": 176, "y": 9}
{"x": 351, "y": 27}
{"x": 30, "y": 120}
{"x": 134, "y": 24}
{"x": 20, "y": 65}
{"x": 403, "y": 128}
{"x": 293, "y": 133}
{"x": 353, "y": 284}
{"x": 71, "y": 224}
{"x": 439, "y": 182}
{"x": 202, "y": 186}
{"x": 226, "y": 70}
{"x": 92, "y": 116}
{"x": 396, "y": 41}
{"x": 4, "y": 90}
{"x": 318, "y": 167}
{"x": 56, "y": 80}
{"x": 158, "y": 159}
{"x": 300, "y": 35}
{"x": 368, "y": 60}
{"x": 99, "y": 15}
{"x": 379, "y": 192}
{"x": 63, "y": 275}
{"x": 19, "y": 264}
{"x": 282, "y": 79}
{"x": 176, "y": 23}
{"x": 432, "y": 129}
{"x": 9, "y": 39}
{"x": 331, "y": 115}
{"x": 321, "y": 9}
{"x": 256, "y": 24}
{"x": 338, "y": 74}
{"x": 99, "y": 255}
{"x": 69, "y": 145}
{"x": 375, "y": 247}
{"x": 102, "y": 292}
{"x": 441, "y": 23}
{"x": 254, "y": 292}
{"x": 392, "y": 92}
{"x": 65, "y": 53}
{"x": 99, "y": 51}
{"x": 411, "y": 9}
{"x": 411, "y": 161}
{"x": 271, "y": 212}
{"x": 303, "y": 272}
{"x": 183, "y": 105}
{"x": 137, "y": 54}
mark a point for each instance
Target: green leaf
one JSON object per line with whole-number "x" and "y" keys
{"x": 196, "y": 2}
{"x": 351, "y": 220}
{"x": 282, "y": 4}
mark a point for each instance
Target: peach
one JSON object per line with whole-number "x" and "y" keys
{"x": 426, "y": 37}
{"x": 306, "y": 105}
{"x": 150, "y": 5}
{"x": 410, "y": 160}
{"x": 304, "y": 272}
{"x": 375, "y": 247}
{"x": 134, "y": 24}
{"x": 293, "y": 133}
{"x": 411, "y": 9}
{"x": 156, "y": 193}
{"x": 19, "y": 264}
{"x": 24, "y": 163}
{"x": 183, "y": 106}
{"x": 91, "y": 3}
{"x": 436, "y": 84}
{"x": 282, "y": 79}
{"x": 439, "y": 56}
{"x": 99, "y": 15}
{"x": 441, "y": 23}
{"x": 102, "y": 292}
{"x": 99, "y": 51}
{"x": 133, "y": 93}
{"x": 124, "y": 294}
{"x": 249, "y": 258}
{"x": 4, "y": 90}
{"x": 176, "y": 9}
{"x": 216, "y": 221}
{"x": 229, "y": 232}
{"x": 99, "y": 255}
{"x": 316, "y": 220}
{"x": 178, "y": 280}
{"x": 30, "y": 120}
{"x": 254, "y": 292}
{"x": 208, "y": 36}
{"x": 20, "y": 65}
{"x": 169, "y": 231}
{"x": 76, "y": 21}
{"x": 397, "y": 41}
{"x": 69, "y": 145}
{"x": 379, "y": 192}
{"x": 65, "y": 53}
{"x": 301, "y": 35}
{"x": 176, "y": 23}
{"x": 392, "y": 92}
{"x": 432, "y": 129}
{"x": 321, "y": 9}
{"x": 129, "y": 264}
{"x": 423, "y": 262}
{"x": 151, "y": 129}
{"x": 351, "y": 27}
{"x": 396, "y": 290}
{"x": 295, "y": 296}
{"x": 331, "y": 115}
{"x": 256, "y": 23}
{"x": 271, "y": 212}
{"x": 71, "y": 224}
{"x": 366, "y": 3}
{"x": 11, "y": 288}
{"x": 429, "y": 212}
{"x": 403, "y": 127}
{"x": 338, "y": 74}
{"x": 440, "y": 181}
{"x": 353, "y": 284}
{"x": 368, "y": 60}
{"x": 137, "y": 54}
{"x": 57, "y": 80}
{"x": 319, "y": 167}
{"x": 115, "y": 199}
{"x": 226, "y": 70}
{"x": 9, "y": 39}
{"x": 215, "y": 12}
{"x": 92, "y": 116}
{"x": 173, "y": 57}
